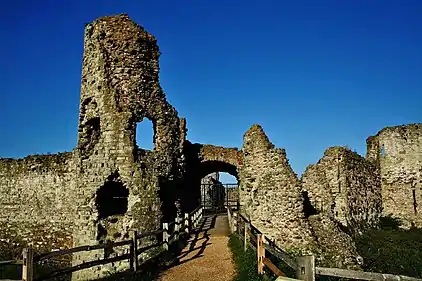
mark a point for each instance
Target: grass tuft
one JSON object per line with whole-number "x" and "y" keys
{"x": 246, "y": 263}
{"x": 390, "y": 249}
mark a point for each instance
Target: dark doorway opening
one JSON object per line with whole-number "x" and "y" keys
{"x": 112, "y": 198}
{"x": 308, "y": 209}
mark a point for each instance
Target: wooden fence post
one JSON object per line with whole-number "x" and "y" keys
{"x": 229, "y": 217}
{"x": 235, "y": 222}
{"x": 201, "y": 210}
{"x": 305, "y": 268}
{"x": 176, "y": 228}
{"x": 187, "y": 223}
{"x": 27, "y": 268}
{"x": 261, "y": 253}
{"x": 246, "y": 235}
{"x": 135, "y": 250}
{"x": 166, "y": 236}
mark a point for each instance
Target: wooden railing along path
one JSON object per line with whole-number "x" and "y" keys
{"x": 304, "y": 266}
{"x": 171, "y": 232}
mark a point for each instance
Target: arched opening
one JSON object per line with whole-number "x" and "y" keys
{"x": 209, "y": 167}
{"x": 219, "y": 186}
{"x": 145, "y": 134}
{"x": 308, "y": 209}
{"x": 382, "y": 150}
{"x": 226, "y": 178}
{"x": 112, "y": 198}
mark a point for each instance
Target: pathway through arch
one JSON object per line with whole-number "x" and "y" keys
{"x": 207, "y": 256}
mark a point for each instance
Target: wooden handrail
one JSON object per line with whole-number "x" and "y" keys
{"x": 45, "y": 256}
{"x": 196, "y": 210}
{"x": 11, "y": 262}
{"x": 242, "y": 217}
{"x": 83, "y": 266}
{"x": 180, "y": 226}
{"x": 271, "y": 247}
{"x": 171, "y": 224}
{"x": 273, "y": 267}
{"x": 281, "y": 255}
{"x": 360, "y": 275}
{"x": 147, "y": 234}
{"x": 305, "y": 265}
{"x": 146, "y": 248}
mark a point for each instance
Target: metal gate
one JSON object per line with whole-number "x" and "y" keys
{"x": 215, "y": 197}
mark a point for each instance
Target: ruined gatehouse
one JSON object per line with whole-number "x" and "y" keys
{"x": 107, "y": 186}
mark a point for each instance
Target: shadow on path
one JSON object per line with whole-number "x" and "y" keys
{"x": 207, "y": 224}
{"x": 206, "y": 256}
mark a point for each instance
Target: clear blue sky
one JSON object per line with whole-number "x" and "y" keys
{"x": 313, "y": 73}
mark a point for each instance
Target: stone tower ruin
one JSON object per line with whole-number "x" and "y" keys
{"x": 120, "y": 87}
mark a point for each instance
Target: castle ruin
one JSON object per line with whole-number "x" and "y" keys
{"x": 108, "y": 186}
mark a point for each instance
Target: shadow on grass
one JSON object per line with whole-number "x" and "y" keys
{"x": 390, "y": 249}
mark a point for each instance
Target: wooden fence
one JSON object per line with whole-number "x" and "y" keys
{"x": 304, "y": 266}
{"x": 170, "y": 233}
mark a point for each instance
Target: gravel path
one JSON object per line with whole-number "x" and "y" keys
{"x": 207, "y": 256}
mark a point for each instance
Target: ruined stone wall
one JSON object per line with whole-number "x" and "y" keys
{"x": 108, "y": 186}
{"x": 120, "y": 87}
{"x": 344, "y": 186}
{"x": 36, "y": 201}
{"x": 271, "y": 193}
{"x": 397, "y": 151}
{"x": 272, "y": 196}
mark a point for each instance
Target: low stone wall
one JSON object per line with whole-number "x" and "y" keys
{"x": 37, "y": 200}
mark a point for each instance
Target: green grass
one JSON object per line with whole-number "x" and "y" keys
{"x": 246, "y": 263}
{"x": 387, "y": 249}
{"x": 390, "y": 249}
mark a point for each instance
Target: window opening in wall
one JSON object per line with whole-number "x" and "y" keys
{"x": 112, "y": 199}
{"x": 145, "y": 134}
{"x": 308, "y": 209}
{"x": 382, "y": 150}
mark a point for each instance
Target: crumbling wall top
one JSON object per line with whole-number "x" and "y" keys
{"x": 256, "y": 139}
{"x": 230, "y": 155}
{"x": 401, "y": 129}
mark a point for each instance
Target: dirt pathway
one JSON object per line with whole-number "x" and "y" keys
{"x": 207, "y": 256}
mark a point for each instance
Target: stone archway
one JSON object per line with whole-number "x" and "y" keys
{"x": 208, "y": 167}
{"x": 214, "y": 194}
{"x": 202, "y": 160}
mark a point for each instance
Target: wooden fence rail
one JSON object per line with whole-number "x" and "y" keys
{"x": 304, "y": 266}
{"x": 181, "y": 226}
